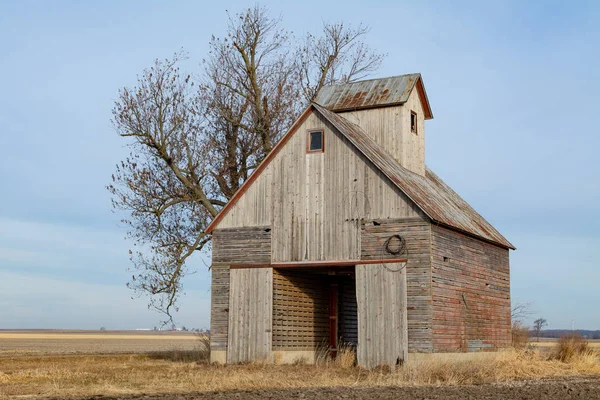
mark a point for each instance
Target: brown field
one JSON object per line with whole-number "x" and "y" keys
{"x": 166, "y": 366}
{"x": 93, "y": 342}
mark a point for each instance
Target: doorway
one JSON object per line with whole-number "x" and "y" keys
{"x": 314, "y": 308}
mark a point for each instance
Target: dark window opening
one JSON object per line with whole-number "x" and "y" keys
{"x": 413, "y": 122}
{"x": 315, "y": 141}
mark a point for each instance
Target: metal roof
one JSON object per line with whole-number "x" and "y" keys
{"x": 436, "y": 199}
{"x": 372, "y": 93}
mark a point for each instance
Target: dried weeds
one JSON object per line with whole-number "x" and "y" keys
{"x": 79, "y": 376}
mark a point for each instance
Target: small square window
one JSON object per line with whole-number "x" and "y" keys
{"x": 413, "y": 122}
{"x": 315, "y": 141}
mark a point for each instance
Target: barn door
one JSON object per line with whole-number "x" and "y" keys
{"x": 250, "y": 314}
{"x": 382, "y": 320}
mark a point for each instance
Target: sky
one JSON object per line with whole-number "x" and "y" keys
{"x": 513, "y": 87}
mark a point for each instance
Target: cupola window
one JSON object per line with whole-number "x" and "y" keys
{"x": 413, "y": 122}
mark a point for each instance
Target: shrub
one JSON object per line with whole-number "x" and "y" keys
{"x": 570, "y": 347}
{"x": 520, "y": 335}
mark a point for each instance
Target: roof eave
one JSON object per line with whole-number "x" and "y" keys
{"x": 428, "y": 113}
{"x": 507, "y": 245}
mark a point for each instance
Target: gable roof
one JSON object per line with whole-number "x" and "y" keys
{"x": 372, "y": 93}
{"x": 436, "y": 199}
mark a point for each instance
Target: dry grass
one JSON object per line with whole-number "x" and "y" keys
{"x": 200, "y": 353}
{"x": 594, "y": 344}
{"x": 571, "y": 347}
{"x": 72, "y": 376}
{"x": 345, "y": 358}
{"x": 505, "y": 366}
{"x": 519, "y": 335}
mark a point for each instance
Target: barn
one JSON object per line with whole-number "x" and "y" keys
{"x": 343, "y": 235}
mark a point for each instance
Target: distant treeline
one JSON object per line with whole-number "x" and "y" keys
{"x": 557, "y": 333}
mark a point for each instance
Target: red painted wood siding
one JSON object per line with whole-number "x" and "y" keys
{"x": 471, "y": 293}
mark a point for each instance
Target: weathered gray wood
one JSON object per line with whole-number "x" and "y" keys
{"x": 321, "y": 207}
{"x": 315, "y": 202}
{"x": 243, "y": 245}
{"x": 382, "y": 317}
{"x": 417, "y": 234}
{"x": 219, "y": 306}
{"x": 250, "y": 314}
{"x": 390, "y": 127}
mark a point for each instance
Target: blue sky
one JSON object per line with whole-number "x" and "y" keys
{"x": 513, "y": 86}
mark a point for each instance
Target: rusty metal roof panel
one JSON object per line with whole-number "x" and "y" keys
{"x": 436, "y": 199}
{"x": 366, "y": 94}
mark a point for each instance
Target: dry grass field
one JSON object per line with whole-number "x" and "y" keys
{"x": 57, "y": 364}
{"x": 549, "y": 343}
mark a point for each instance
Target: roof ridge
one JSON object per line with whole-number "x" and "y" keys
{"x": 373, "y": 79}
{"x": 373, "y": 93}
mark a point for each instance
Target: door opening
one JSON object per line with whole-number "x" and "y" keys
{"x": 333, "y": 317}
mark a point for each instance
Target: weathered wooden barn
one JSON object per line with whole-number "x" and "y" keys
{"x": 343, "y": 234}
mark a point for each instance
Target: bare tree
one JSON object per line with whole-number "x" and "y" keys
{"x": 520, "y": 311}
{"x": 339, "y": 55}
{"x": 163, "y": 184}
{"x": 250, "y": 94}
{"x": 195, "y": 139}
{"x": 538, "y": 325}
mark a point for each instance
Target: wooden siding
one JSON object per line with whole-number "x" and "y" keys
{"x": 314, "y": 202}
{"x": 250, "y": 316}
{"x": 416, "y": 232}
{"x": 300, "y": 310}
{"x": 390, "y": 127}
{"x": 219, "y": 306}
{"x": 471, "y": 293}
{"x": 382, "y": 317}
{"x": 251, "y": 244}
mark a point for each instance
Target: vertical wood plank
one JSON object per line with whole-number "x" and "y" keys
{"x": 219, "y": 306}
{"x": 313, "y": 202}
{"x": 251, "y": 311}
{"x": 382, "y": 317}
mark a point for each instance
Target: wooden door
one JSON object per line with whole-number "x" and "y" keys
{"x": 250, "y": 314}
{"x": 382, "y": 315}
